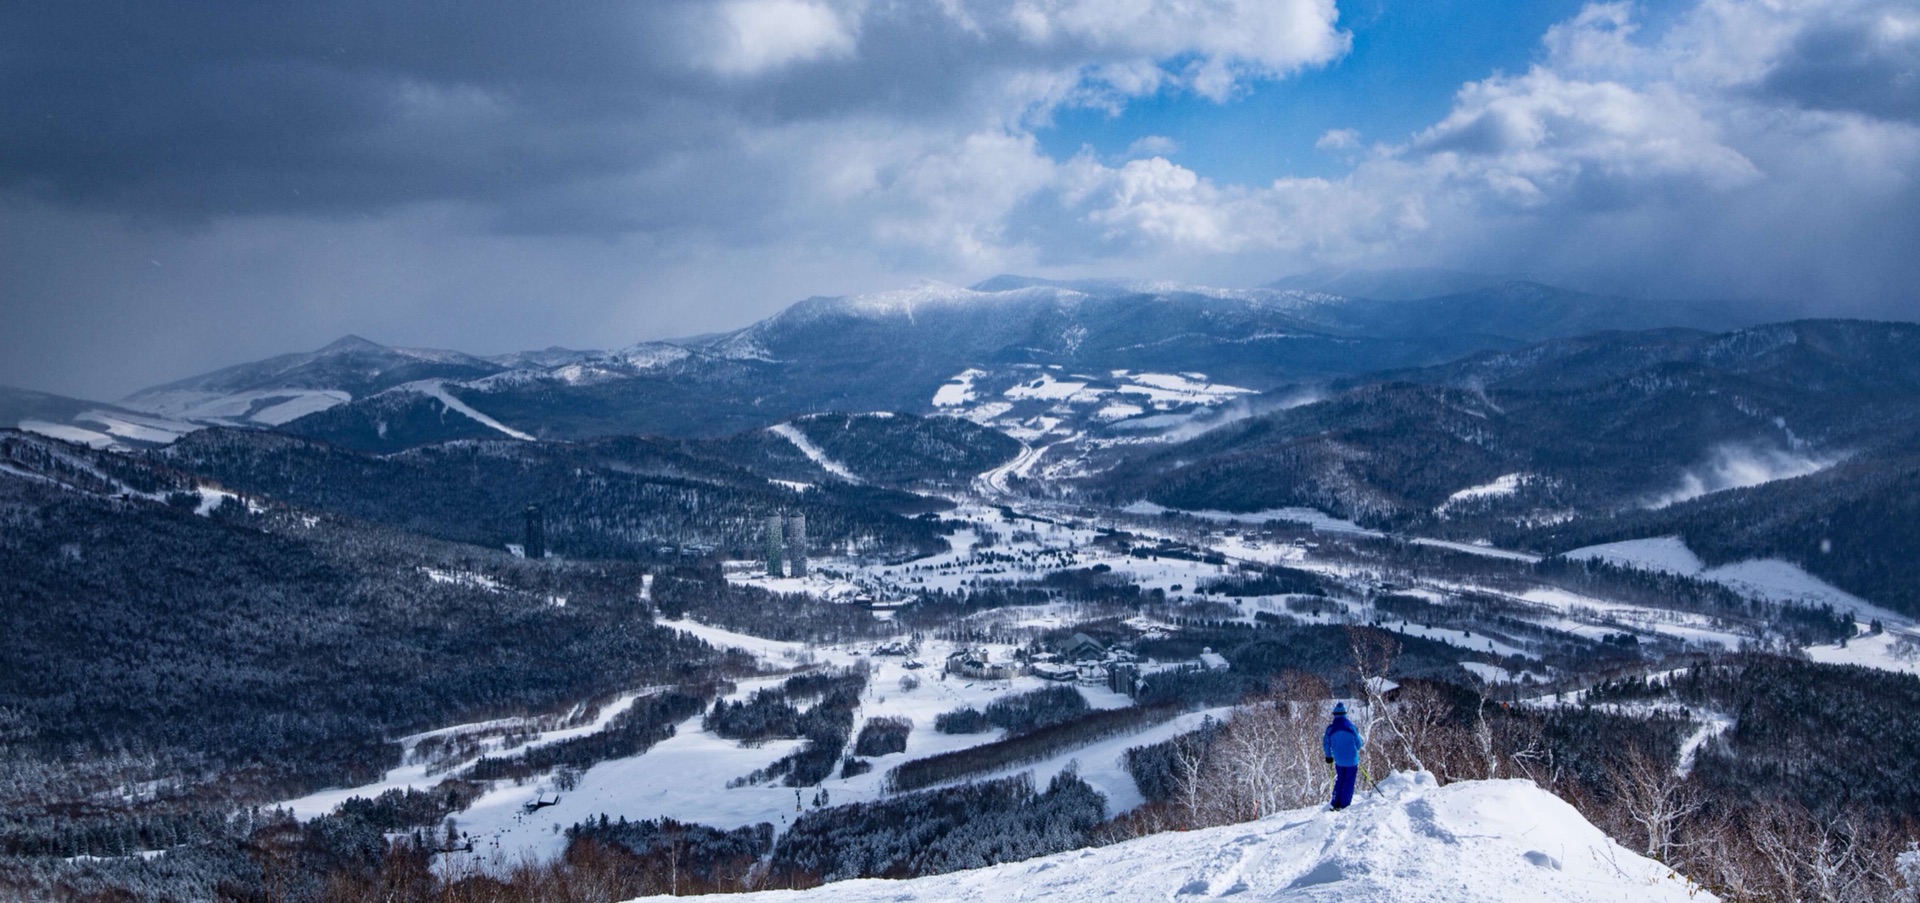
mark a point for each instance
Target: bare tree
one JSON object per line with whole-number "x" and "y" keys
{"x": 1483, "y": 742}
{"x": 1655, "y": 798}
{"x": 1372, "y": 653}
{"x": 1908, "y": 865}
{"x": 1809, "y": 859}
{"x": 1421, "y": 727}
{"x": 1266, "y": 759}
{"x": 1189, "y": 773}
{"x": 1252, "y": 774}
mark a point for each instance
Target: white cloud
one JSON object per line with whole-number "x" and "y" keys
{"x": 1153, "y": 146}
{"x": 756, "y": 36}
{"x": 1533, "y": 138}
{"x": 1599, "y": 39}
{"x": 1338, "y": 140}
{"x": 1718, "y": 157}
{"x": 1261, "y": 35}
{"x": 1163, "y": 210}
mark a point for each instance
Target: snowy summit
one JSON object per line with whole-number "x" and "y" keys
{"x": 1411, "y": 841}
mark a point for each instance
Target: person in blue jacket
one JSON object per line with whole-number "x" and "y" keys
{"x": 1342, "y": 746}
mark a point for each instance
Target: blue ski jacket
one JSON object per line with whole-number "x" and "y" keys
{"x": 1343, "y": 742}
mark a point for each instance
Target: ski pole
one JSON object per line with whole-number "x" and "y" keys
{"x": 1372, "y": 785}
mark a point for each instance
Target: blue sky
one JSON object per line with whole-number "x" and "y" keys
{"x": 184, "y": 187}
{"x": 1408, "y": 59}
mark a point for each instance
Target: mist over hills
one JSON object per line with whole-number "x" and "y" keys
{"x": 885, "y": 351}
{"x": 1402, "y": 284}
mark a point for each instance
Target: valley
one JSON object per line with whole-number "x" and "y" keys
{"x": 760, "y": 605}
{"x": 1509, "y": 629}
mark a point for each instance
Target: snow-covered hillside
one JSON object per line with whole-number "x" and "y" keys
{"x": 1468, "y": 841}
{"x": 1768, "y": 579}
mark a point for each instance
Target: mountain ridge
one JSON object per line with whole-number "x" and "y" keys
{"x": 882, "y": 351}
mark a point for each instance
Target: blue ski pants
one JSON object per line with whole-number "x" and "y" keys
{"x": 1343, "y": 778}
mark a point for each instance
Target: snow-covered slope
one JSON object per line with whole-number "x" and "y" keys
{"x": 800, "y": 441}
{"x": 1768, "y": 579}
{"x": 1468, "y": 841}
{"x": 284, "y": 388}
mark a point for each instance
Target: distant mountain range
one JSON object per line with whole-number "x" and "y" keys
{"x": 887, "y": 351}
{"x": 1786, "y": 440}
{"x": 1591, "y": 425}
{"x": 1404, "y": 284}
{"x": 1497, "y": 410}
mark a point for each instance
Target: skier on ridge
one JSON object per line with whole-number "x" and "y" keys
{"x": 1342, "y": 746}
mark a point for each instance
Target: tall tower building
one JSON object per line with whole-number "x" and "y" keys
{"x": 773, "y": 546}
{"x": 534, "y": 539}
{"x": 797, "y": 543}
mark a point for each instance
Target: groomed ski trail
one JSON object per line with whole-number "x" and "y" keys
{"x": 438, "y": 390}
{"x": 800, "y": 441}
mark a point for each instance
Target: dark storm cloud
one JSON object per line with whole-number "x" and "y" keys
{"x": 544, "y": 110}
{"x": 213, "y": 181}
{"x": 1868, "y": 62}
{"x": 210, "y": 109}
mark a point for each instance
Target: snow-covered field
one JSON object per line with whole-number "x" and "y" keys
{"x": 1769, "y": 578}
{"x": 1062, "y": 416}
{"x": 157, "y": 430}
{"x": 686, "y": 777}
{"x": 1470, "y": 840}
{"x": 421, "y": 775}
{"x": 958, "y": 390}
{"x": 1318, "y": 520}
{"x": 269, "y": 407}
{"x": 1475, "y": 549}
{"x": 1685, "y": 626}
{"x": 67, "y": 432}
{"x": 1892, "y": 650}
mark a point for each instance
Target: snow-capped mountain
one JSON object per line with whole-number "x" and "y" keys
{"x": 895, "y": 350}
{"x": 290, "y": 386}
{"x": 1470, "y": 840}
{"x": 903, "y": 350}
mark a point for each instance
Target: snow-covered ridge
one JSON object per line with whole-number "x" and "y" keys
{"x": 1413, "y": 840}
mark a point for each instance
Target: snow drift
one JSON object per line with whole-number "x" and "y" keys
{"x": 1413, "y": 840}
